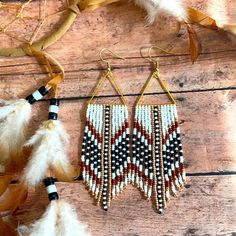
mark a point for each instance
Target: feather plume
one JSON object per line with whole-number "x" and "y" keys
{"x": 172, "y": 7}
{"x": 60, "y": 219}
{"x": 49, "y": 144}
{"x": 69, "y": 224}
{"x": 45, "y": 226}
{"x": 14, "y": 116}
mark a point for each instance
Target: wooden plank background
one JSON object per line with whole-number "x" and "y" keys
{"x": 206, "y": 97}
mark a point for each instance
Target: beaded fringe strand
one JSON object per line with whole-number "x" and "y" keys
{"x": 157, "y": 165}
{"x": 106, "y": 152}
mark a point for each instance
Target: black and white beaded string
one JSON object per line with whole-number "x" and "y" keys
{"x": 159, "y": 156}
{"x": 53, "y": 109}
{"x": 51, "y": 188}
{"x": 105, "y": 193}
{"x": 178, "y": 147}
{"x": 166, "y": 135}
{"x": 37, "y": 95}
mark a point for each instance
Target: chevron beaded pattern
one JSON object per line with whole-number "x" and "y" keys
{"x": 106, "y": 152}
{"x": 157, "y": 165}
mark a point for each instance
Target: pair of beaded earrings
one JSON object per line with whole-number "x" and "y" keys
{"x": 154, "y": 161}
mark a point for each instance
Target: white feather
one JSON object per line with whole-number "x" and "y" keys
{"x": 14, "y": 116}
{"x": 46, "y": 226}
{"x": 23, "y": 230}
{"x": 172, "y": 7}
{"x": 60, "y": 219}
{"x": 68, "y": 224}
{"x": 49, "y": 144}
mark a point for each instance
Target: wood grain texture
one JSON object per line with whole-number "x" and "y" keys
{"x": 206, "y": 99}
{"x": 206, "y": 207}
{"x": 207, "y": 121}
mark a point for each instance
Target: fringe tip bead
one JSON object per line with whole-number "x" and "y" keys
{"x": 157, "y": 153}
{"x": 106, "y": 152}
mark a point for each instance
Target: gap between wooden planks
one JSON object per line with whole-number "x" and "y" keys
{"x": 208, "y": 73}
{"x": 207, "y": 127}
{"x": 206, "y": 207}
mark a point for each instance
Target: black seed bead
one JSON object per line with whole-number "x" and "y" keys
{"x": 55, "y": 102}
{"x": 48, "y": 181}
{"x": 53, "y": 196}
{"x": 31, "y": 100}
{"x": 52, "y": 116}
{"x": 43, "y": 90}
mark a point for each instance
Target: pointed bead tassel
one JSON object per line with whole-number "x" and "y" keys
{"x": 123, "y": 157}
{"x": 118, "y": 149}
{"x": 128, "y": 161}
{"x": 138, "y": 182}
{"x": 92, "y": 148}
{"x": 134, "y": 146}
{"x": 169, "y": 140}
{"x": 175, "y": 154}
{"x": 99, "y": 158}
{"x": 106, "y": 156}
{"x": 165, "y": 149}
{"x": 172, "y": 172}
{"x": 88, "y": 145}
{"x": 105, "y": 192}
{"x": 95, "y": 153}
{"x": 149, "y": 151}
{"x": 84, "y": 143}
{"x": 113, "y": 153}
{"x": 145, "y": 170}
{"x": 159, "y": 155}
{"x": 180, "y": 149}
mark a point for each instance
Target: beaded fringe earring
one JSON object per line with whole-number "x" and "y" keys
{"x": 106, "y": 146}
{"x": 157, "y": 165}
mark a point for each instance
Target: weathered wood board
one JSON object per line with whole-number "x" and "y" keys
{"x": 206, "y": 98}
{"x": 206, "y": 207}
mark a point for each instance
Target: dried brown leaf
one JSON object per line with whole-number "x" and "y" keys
{"x": 202, "y": 19}
{"x": 13, "y": 197}
{"x": 194, "y": 44}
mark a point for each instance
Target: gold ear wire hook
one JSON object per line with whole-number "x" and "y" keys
{"x": 108, "y": 75}
{"x": 155, "y": 74}
{"x": 115, "y": 56}
{"x": 150, "y": 57}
